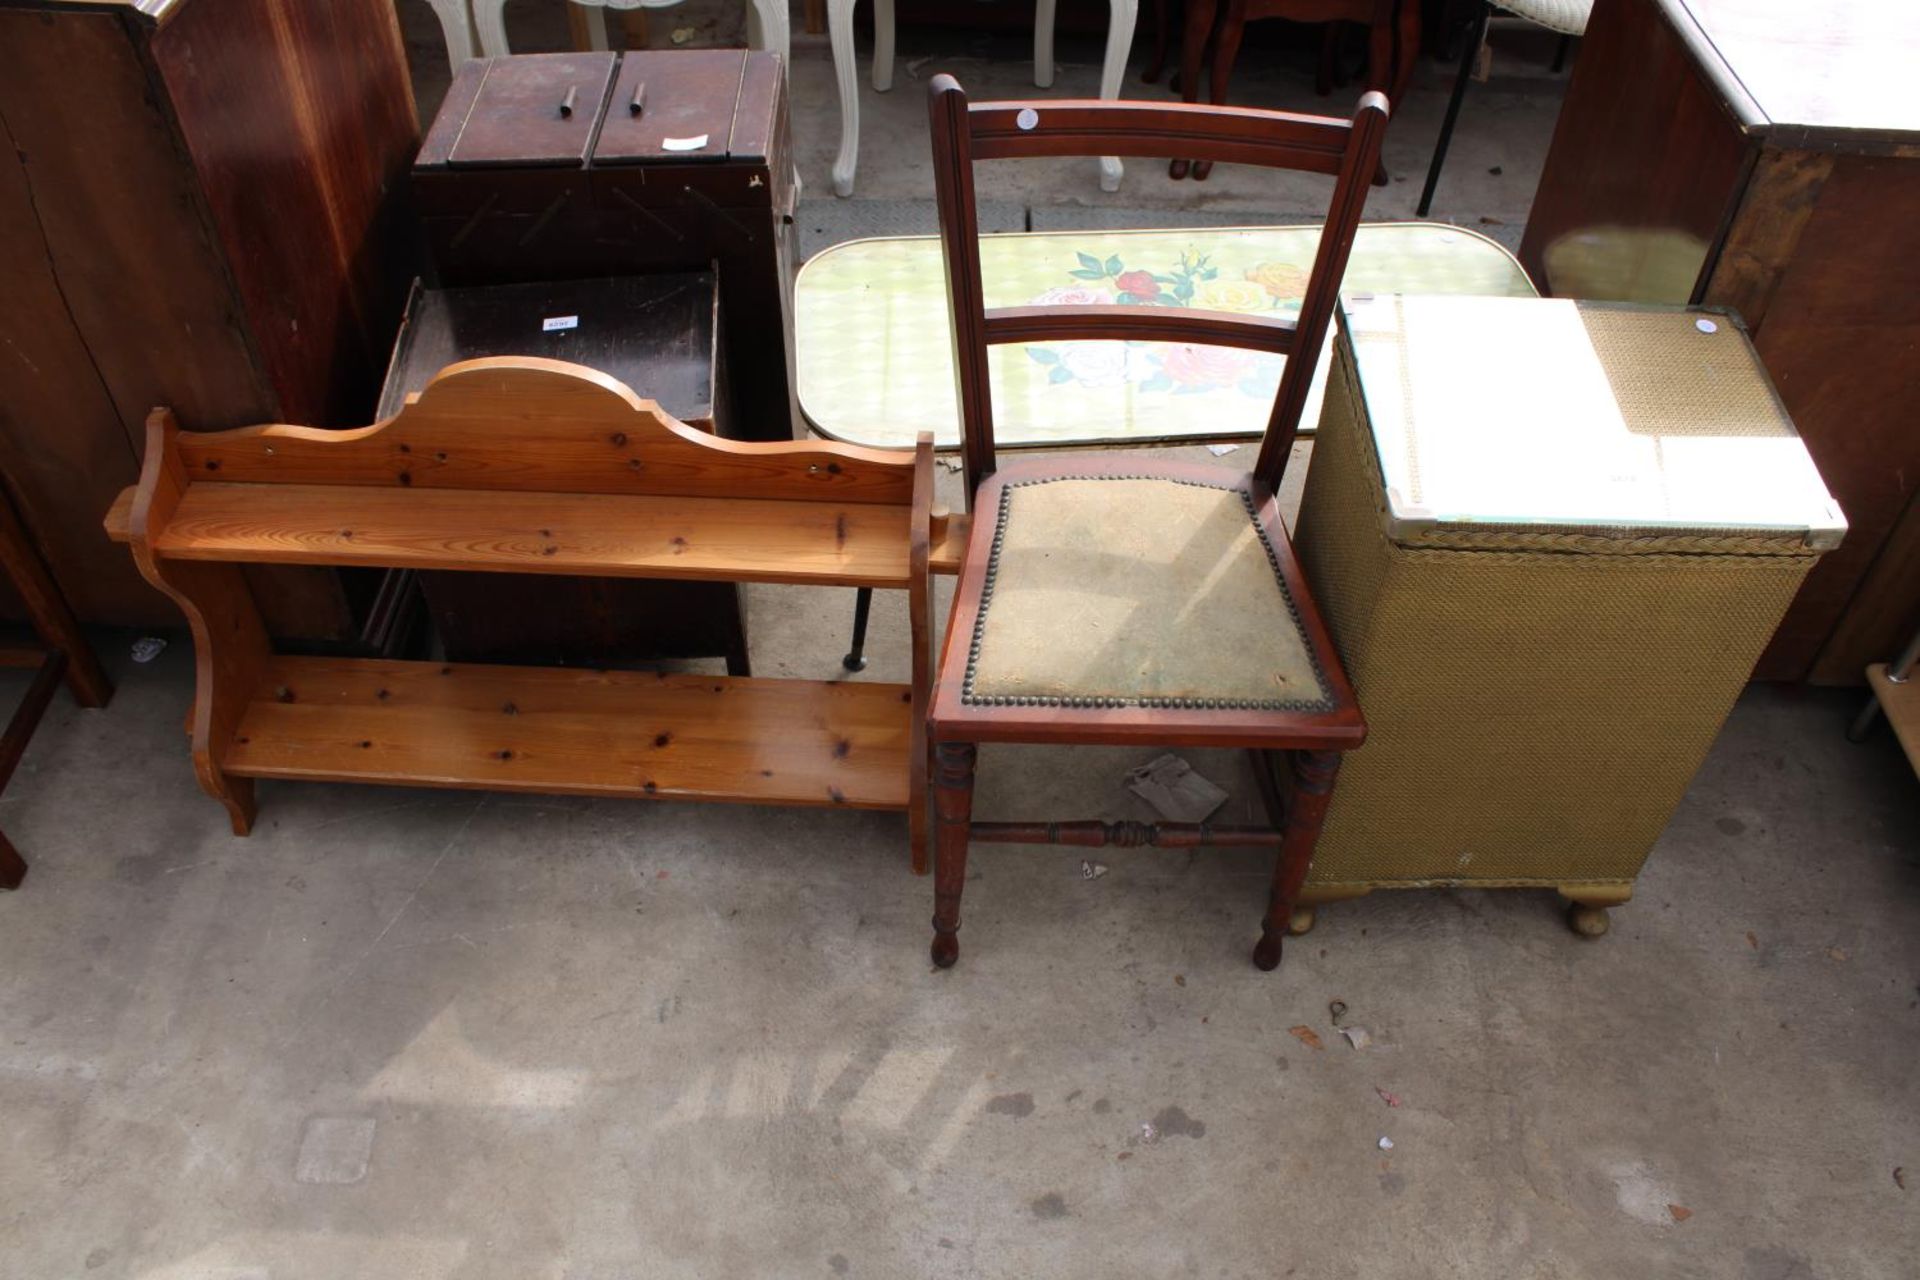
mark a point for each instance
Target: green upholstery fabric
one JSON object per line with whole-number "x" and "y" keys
{"x": 1137, "y": 591}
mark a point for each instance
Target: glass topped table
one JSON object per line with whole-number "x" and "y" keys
{"x": 875, "y": 351}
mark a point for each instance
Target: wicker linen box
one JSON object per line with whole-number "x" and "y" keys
{"x": 1550, "y": 538}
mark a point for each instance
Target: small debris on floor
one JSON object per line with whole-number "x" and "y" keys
{"x": 1149, "y": 1134}
{"x": 1391, "y": 1099}
{"x": 1221, "y": 450}
{"x": 1486, "y": 221}
{"x": 1900, "y": 1176}
{"x": 1091, "y": 870}
{"x": 1680, "y": 1212}
{"x": 1306, "y": 1035}
{"x": 1336, "y": 1010}
{"x": 1837, "y": 953}
{"x": 1175, "y": 791}
{"x": 914, "y": 66}
{"x": 1358, "y": 1037}
{"x": 147, "y": 648}
{"x": 951, "y": 464}
{"x": 1386, "y": 1143}
{"x": 1496, "y": 171}
{"x": 1179, "y": 979}
{"x": 682, "y": 34}
{"x": 1752, "y": 940}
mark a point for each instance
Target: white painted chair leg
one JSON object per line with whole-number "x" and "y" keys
{"x": 1119, "y": 45}
{"x": 882, "y": 45}
{"x": 456, "y": 24}
{"x": 490, "y": 24}
{"x": 595, "y": 21}
{"x": 769, "y": 28}
{"x": 847, "y": 75}
{"x": 1043, "y": 13}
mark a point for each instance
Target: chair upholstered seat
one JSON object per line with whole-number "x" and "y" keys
{"x": 1137, "y": 590}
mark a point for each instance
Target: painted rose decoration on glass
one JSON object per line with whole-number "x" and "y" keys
{"x": 1177, "y": 368}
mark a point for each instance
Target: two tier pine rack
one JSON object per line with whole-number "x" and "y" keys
{"x": 524, "y": 465}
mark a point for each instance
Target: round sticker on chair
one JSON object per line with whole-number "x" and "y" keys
{"x": 1028, "y": 118}
{"x": 1705, "y": 325}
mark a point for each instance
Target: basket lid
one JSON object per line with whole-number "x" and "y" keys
{"x": 1550, "y": 414}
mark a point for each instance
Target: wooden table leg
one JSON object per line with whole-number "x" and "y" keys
{"x": 52, "y": 620}
{"x": 13, "y": 867}
{"x": 13, "y": 745}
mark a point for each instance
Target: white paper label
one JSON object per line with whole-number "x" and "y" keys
{"x": 553, "y": 324}
{"x": 684, "y": 144}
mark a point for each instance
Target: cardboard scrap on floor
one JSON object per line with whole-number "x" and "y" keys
{"x": 1175, "y": 791}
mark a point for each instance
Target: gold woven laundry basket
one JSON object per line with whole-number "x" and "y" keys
{"x": 1551, "y": 539}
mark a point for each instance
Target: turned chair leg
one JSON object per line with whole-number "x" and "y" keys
{"x": 1159, "y": 63}
{"x": 1226, "y": 50}
{"x": 856, "y": 659}
{"x": 953, "y": 818}
{"x": 1313, "y": 777}
{"x": 1193, "y": 47}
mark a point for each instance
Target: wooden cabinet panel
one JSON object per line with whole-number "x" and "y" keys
{"x": 1644, "y": 172}
{"x": 202, "y": 205}
{"x": 62, "y": 444}
{"x": 309, "y": 178}
{"x": 123, "y": 221}
{"x": 1842, "y": 341}
{"x": 1713, "y": 149}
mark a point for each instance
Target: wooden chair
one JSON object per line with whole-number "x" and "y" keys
{"x": 1115, "y": 599}
{"x": 1393, "y": 45}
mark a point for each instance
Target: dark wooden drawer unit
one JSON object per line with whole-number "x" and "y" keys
{"x": 658, "y": 335}
{"x": 562, "y": 166}
{"x": 1765, "y": 156}
{"x": 202, "y": 205}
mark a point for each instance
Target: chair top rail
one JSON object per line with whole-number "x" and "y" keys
{"x": 1092, "y": 127}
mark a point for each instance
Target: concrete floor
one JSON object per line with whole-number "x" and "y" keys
{"x": 419, "y": 1034}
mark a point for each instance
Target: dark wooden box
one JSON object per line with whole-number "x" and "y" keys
{"x": 657, "y": 334}
{"x": 539, "y": 167}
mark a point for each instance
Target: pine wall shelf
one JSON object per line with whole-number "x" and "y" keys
{"x": 526, "y": 465}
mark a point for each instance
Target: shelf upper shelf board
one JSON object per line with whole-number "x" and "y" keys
{"x": 756, "y": 540}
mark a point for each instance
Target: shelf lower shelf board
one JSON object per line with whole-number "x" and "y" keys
{"x": 577, "y": 732}
{"x": 1900, "y": 703}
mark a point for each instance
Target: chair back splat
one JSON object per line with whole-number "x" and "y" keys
{"x": 1348, "y": 150}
